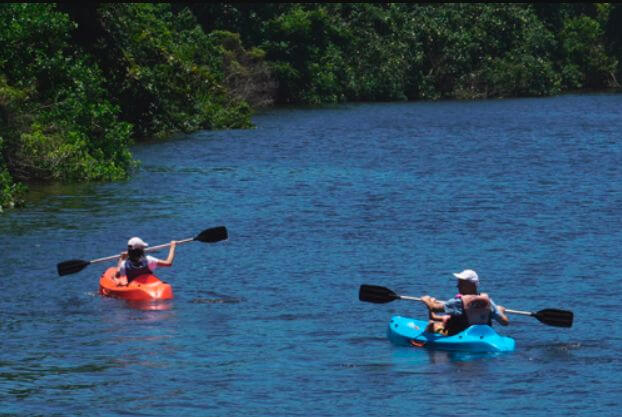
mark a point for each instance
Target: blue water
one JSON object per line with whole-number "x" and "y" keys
{"x": 318, "y": 201}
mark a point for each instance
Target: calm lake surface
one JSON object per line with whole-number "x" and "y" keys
{"x": 318, "y": 201}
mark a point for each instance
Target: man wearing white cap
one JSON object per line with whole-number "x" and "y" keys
{"x": 468, "y": 307}
{"x": 134, "y": 262}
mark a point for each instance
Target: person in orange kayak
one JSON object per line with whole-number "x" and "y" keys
{"x": 468, "y": 307}
{"x": 134, "y": 262}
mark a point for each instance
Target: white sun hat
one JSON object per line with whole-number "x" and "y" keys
{"x": 468, "y": 275}
{"x": 136, "y": 243}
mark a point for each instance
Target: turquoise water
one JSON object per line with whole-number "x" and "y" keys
{"x": 318, "y": 201}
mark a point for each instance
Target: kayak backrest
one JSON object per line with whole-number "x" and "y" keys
{"x": 476, "y": 308}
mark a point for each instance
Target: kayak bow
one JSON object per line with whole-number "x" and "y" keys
{"x": 404, "y": 331}
{"x": 146, "y": 287}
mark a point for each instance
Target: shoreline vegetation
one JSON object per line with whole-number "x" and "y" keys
{"x": 80, "y": 84}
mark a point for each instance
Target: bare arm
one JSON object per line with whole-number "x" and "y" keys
{"x": 122, "y": 259}
{"x": 171, "y": 255}
{"x": 501, "y": 317}
{"x": 433, "y": 304}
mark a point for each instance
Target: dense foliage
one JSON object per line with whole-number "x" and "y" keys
{"x": 358, "y": 51}
{"x": 79, "y": 83}
{"x": 164, "y": 71}
{"x": 57, "y": 122}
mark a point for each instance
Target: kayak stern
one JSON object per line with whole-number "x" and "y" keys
{"x": 143, "y": 288}
{"x": 404, "y": 331}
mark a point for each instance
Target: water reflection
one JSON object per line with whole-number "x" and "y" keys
{"x": 124, "y": 311}
{"x": 162, "y": 305}
{"x": 409, "y": 356}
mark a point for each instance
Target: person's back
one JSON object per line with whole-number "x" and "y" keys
{"x": 137, "y": 264}
{"x": 467, "y": 308}
{"x": 477, "y": 309}
{"x": 134, "y": 262}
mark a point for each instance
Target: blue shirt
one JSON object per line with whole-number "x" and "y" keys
{"x": 454, "y": 307}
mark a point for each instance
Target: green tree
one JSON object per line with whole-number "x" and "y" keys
{"x": 56, "y": 121}
{"x": 585, "y": 60}
{"x": 613, "y": 35}
{"x": 164, "y": 71}
{"x": 376, "y": 53}
{"x": 482, "y": 50}
{"x": 299, "y": 45}
{"x": 247, "y": 76}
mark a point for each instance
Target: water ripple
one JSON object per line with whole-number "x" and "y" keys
{"x": 318, "y": 201}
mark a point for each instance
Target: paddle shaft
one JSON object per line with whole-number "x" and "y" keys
{"x": 151, "y": 249}
{"x": 551, "y": 316}
{"x": 543, "y": 316}
{"x": 408, "y": 297}
{"x": 519, "y": 312}
{"x": 507, "y": 310}
{"x": 211, "y": 235}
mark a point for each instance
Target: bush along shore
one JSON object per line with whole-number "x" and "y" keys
{"x": 80, "y": 83}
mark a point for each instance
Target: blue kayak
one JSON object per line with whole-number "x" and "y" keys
{"x": 404, "y": 331}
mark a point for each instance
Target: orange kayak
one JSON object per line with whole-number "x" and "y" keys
{"x": 143, "y": 288}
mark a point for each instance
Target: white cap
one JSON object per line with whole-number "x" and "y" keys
{"x": 468, "y": 275}
{"x": 136, "y": 243}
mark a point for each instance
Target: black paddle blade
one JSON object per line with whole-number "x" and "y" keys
{"x": 376, "y": 294}
{"x": 554, "y": 317}
{"x": 215, "y": 234}
{"x": 71, "y": 267}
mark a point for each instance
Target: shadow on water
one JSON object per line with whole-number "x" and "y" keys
{"x": 216, "y": 298}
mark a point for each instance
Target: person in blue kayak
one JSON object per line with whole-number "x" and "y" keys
{"x": 467, "y": 308}
{"x": 134, "y": 262}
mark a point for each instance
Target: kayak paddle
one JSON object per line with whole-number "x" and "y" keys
{"x": 214, "y": 234}
{"x": 550, "y": 316}
{"x": 381, "y": 295}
